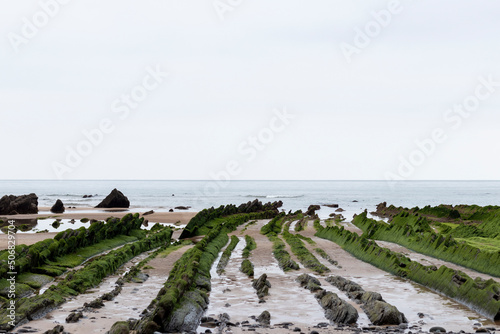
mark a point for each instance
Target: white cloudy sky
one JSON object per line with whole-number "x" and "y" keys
{"x": 352, "y": 120}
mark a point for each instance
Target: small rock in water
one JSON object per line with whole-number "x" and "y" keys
{"x": 420, "y": 314}
{"x": 74, "y": 317}
{"x": 264, "y": 318}
{"x": 437, "y": 330}
{"x": 227, "y": 305}
{"x": 314, "y": 332}
{"x": 297, "y": 329}
{"x": 482, "y": 330}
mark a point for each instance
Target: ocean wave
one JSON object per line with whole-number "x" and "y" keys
{"x": 274, "y": 196}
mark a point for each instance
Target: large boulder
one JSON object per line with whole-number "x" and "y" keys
{"x": 381, "y": 313}
{"x": 58, "y": 207}
{"x": 13, "y": 205}
{"x": 115, "y": 199}
{"x": 311, "y": 210}
{"x": 336, "y": 309}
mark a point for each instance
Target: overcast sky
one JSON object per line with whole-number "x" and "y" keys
{"x": 257, "y": 89}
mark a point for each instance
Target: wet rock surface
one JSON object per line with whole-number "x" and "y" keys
{"x": 58, "y": 207}
{"x": 378, "y": 311}
{"x": 264, "y": 318}
{"x": 262, "y": 285}
{"x": 74, "y": 317}
{"x": 116, "y": 199}
{"x": 308, "y": 282}
{"x": 24, "y": 204}
{"x": 336, "y": 309}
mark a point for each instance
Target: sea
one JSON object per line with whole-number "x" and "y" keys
{"x": 352, "y": 196}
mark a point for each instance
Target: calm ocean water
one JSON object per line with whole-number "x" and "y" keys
{"x": 295, "y": 195}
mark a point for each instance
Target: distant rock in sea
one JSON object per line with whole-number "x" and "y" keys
{"x": 58, "y": 207}
{"x": 116, "y": 199}
{"x": 13, "y": 205}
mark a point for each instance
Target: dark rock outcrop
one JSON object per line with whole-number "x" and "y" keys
{"x": 121, "y": 327}
{"x": 382, "y": 313}
{"x": 182, "y": 207}
{"x": 257, "y": 206}
{"x": 311, "y": 210}
{"x": 58, "y": 207}
{"x": 115, "y": 199}
{"x": 378, "y": 311}
{"x": 13, "y": 205}
{"x": 336, "y": 309}
{"x": 264, "y": 318}
{"x": 308, "y": 282}
{"x": 56, "y": 330}
{"x": 262, "y": 286}
{"x": 74, "y": 317}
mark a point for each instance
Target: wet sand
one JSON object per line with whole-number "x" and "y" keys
{"x": 290, "y": 303}
{"x": 130, "y": 303}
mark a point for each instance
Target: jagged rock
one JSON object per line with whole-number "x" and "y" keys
{"x": 257, "y": 206}
{"x": 58, "y": 207}
{"x": 187, "y": 317}
{"x": 311, "y": 210}
{"x": 264, "y": 318}
{"x": 369, "y": 296}
{"x": 308, "y": 282}
{"x": 74, "y": 317}
{"x": 381, "y": 313}
{"x": 13, "y": 205}
{"x": 336, "y": 309}
{"x": 262, "y": 286}
{"x": 96, "y": 303}
{"x": 120, "y": 327}
{"x": 56, "y": 330}
{"x": 115, "y": 199}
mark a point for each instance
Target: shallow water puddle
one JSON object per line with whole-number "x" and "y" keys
{"x": 411, "y": 299}
{"x": 232, "y": 293}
